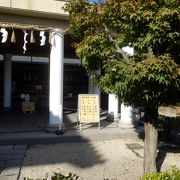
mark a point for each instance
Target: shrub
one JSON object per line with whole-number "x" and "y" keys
{"x": 172, "y": 122}
{"x": 57, "y": 176}
{"x": 171, "y": 174}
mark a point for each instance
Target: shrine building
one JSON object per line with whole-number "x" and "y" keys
{"x": 38, "y": 65}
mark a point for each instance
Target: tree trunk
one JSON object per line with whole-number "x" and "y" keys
{"x": 151, "y": 139}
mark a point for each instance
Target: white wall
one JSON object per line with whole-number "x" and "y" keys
{"x": 50, "y": 6}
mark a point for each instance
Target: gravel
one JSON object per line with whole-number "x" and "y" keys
{"x": 93, "y": 160}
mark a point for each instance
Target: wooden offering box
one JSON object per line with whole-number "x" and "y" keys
{"x": 28, "y": 106}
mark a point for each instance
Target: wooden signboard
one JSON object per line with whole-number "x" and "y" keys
{"x": 88, "y": 108}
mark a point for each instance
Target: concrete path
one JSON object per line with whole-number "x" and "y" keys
{"x": 70, "y": 136}
{"x": 11, "y": 159}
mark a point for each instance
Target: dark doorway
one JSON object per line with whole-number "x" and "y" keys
{"x": 30, "y": 79}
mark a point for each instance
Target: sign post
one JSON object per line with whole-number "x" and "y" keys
{"x": 88, "y": 109}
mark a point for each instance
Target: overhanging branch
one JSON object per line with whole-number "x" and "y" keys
{"x": 118, "y": 49}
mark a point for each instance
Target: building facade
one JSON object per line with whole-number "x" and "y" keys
{"x": 37, "y": 60}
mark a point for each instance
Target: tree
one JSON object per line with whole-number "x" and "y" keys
{"x": 151, "y": 77}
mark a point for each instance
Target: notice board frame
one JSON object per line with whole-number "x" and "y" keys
{"x": 88, "y": 109}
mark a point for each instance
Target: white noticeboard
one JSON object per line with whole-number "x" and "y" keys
{"x": 88, "y": 109}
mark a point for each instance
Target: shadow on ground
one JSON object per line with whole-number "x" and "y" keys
{"x": 168, "y": 139}
{"x": 71, "y": 117}
{"x": 16, "y": 121}
{"x": 67, "y": 151}
{"x": 84, "y": 155}
{"x": 165, "y": 148}
{"x": 80, "y": 155}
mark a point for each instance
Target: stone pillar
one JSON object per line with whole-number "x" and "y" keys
{"x": 113, "y": 107}
{"x": 98, "y": 92}
{"x": 90, "y": 85}
{"x": 126, "y": 117}
{"x": 56, "y": 81}
{"x": 93, "y": 89}
{"x": 127, "y": 111}
{"x": 7, "y": 101}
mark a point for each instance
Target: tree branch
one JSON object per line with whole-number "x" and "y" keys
{"x": 118, "y": 49}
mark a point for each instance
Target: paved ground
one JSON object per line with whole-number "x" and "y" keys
{"x": 94, "y": 158}
{"x": 11, "y": 156}
{"x": 11, "y": 159}
{"x": 15, "y": 121}
{"x": 75, "y": 135}
{"x": 111, "y": 152}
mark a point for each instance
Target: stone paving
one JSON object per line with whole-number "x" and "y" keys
{"x": 11, "y": 159}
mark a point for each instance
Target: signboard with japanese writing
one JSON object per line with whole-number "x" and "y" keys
{"x": 88, "y": 108}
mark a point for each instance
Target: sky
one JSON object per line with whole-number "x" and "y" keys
{"x": 91, "y": 1}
